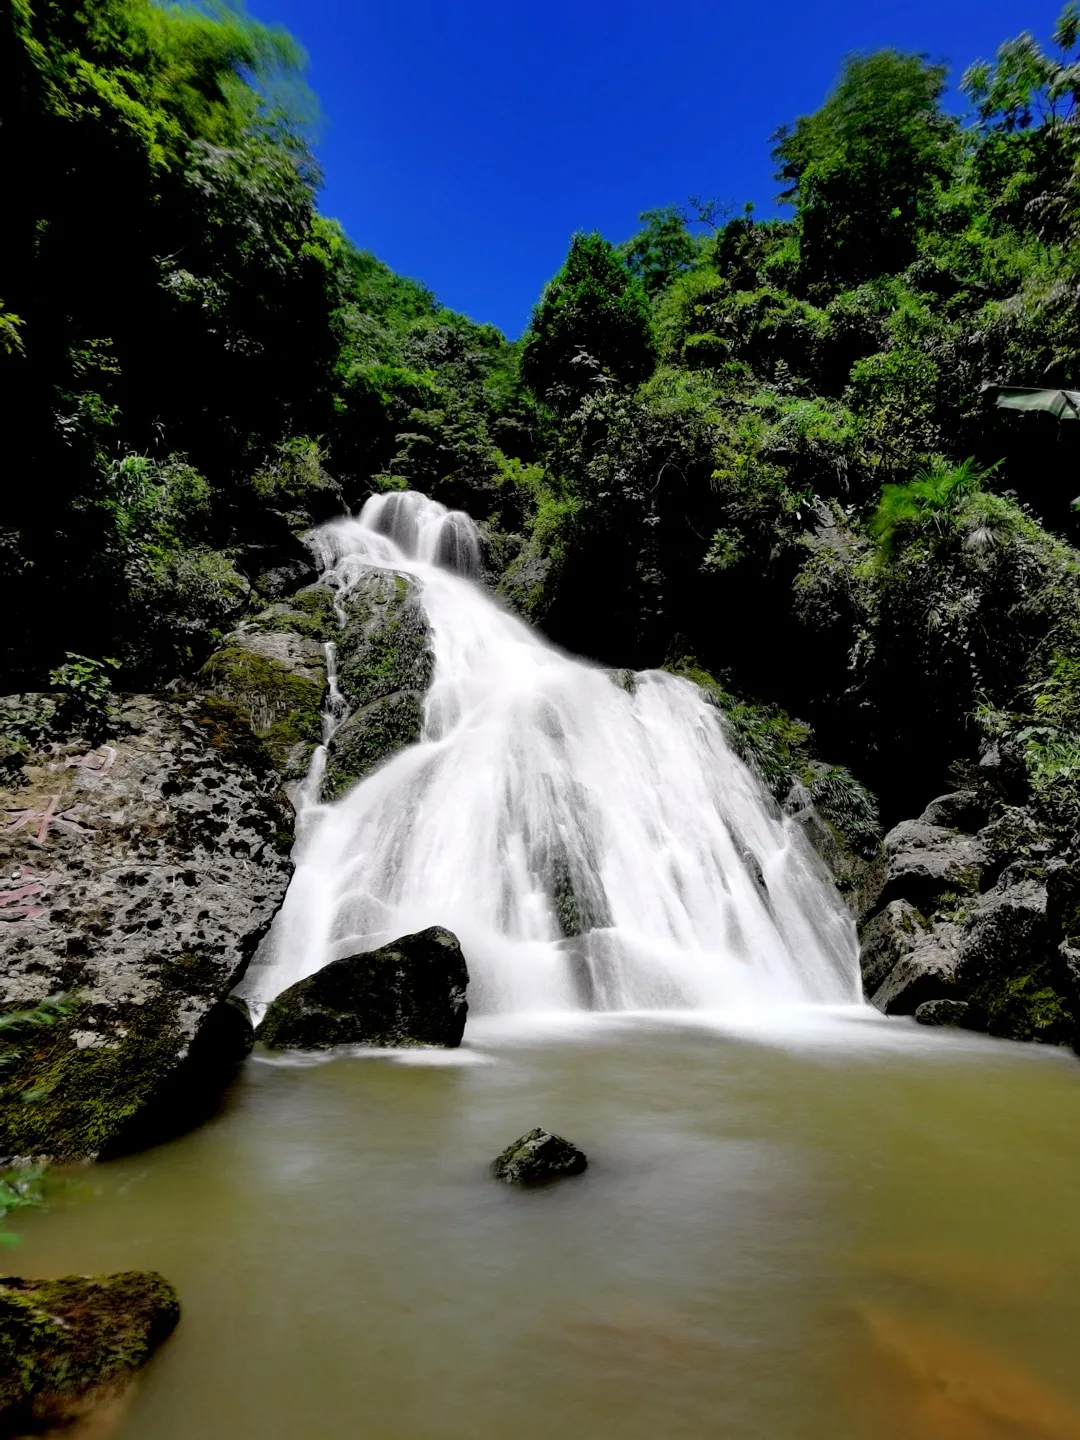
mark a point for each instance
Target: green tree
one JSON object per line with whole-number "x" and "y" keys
{"x": 592, "y": 323}
{"x": 660, "y": 251}
{"x": 1027, "y": 145}
{"x": 863, "y": 171}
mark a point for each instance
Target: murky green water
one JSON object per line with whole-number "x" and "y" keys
{"x": 867, "y": 1237}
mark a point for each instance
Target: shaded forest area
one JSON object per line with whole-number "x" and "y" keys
{"x": 754, "y": 451}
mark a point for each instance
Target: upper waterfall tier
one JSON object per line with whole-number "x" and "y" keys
{"x": 593, "y": 844}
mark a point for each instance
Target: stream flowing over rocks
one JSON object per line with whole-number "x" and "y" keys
{"x": 590, "y": 836}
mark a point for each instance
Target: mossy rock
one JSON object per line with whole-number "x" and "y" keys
{"x": 310, "y": 613}
{"x": 538, "y": 1158}
{"x": 68, "y": 1344}
{"x": 281, "y": 701}
{"x": 68, "y": 1101}
{"x": 410, "y": 992}
{"x": 384, "y": 668}
{"x": 369, "y": 737}
{"x": 384, "y": 645}
{"x": 528, "y": 583}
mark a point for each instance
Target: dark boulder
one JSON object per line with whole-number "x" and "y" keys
{"x": 70, "y": 1345}
{"x": 538, "y": 1157}
{"x": 1011, "y": 966}
{"x": 1006, "y": 926}
{"x": 942, "y": 1012}
{"x": 410, "y": 992}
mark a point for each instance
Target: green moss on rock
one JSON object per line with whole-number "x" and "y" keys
{"x": 69, "y": 1100}
{"x": 66, "y": 1344}
{"x": 384, "y": 668}
{"x": 1024, "y": 1007}
{"x": 283, "y": 708}
{"x": 309, "y": 613}
{"x": 370, "y": 737}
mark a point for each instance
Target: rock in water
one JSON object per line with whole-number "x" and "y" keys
{"x": 69, "y": 1345}
{"x": 942, "y": 1012}
{"x": 537, "y": 1157}
{"x": 411, "y": 992}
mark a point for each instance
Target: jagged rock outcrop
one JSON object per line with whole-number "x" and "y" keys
{"x": 925, "y": 971}
{"x": 137, "y": 879}
{"x": 977, "y": 927}
{"x": 70, "y": 1346}
{"x": 886, "y": 938}
{"x": 384, "y": 668}
{"x": 925, "y": 862}
{"x": 410, "y": 992}
{"x": 538, "y": 1157}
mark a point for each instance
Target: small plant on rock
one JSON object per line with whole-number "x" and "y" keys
{"x": 84, "y": 686}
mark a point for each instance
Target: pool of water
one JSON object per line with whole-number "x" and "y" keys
{"x": 843, "y": 1228}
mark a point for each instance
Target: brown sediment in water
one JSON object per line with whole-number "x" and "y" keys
{"x": 918, "y": 1380}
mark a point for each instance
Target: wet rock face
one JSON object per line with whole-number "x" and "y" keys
{"x": 538, "y": 1157}
{"x": 67, "y": 1346}
{"x": 137, "y": 879}
{"x": 384, "y": 669}
{"x": 411, "y": 992}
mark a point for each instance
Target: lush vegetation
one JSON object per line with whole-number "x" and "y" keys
{"x": 188, "y": 350}
{"x": 761, "y": 445}
{"x": 809, "y": 494}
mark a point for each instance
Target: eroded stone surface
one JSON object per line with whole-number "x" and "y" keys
{"x": 926, "y": 972}
{"x": 924, "y": 862}
{"x": 142, "y": 896}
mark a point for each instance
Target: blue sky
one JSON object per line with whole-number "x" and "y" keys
{"x": 465, "y": 141}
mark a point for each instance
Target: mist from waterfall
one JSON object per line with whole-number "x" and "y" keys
{"x": 591, "y": 838}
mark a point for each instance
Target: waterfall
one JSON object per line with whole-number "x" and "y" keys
{"x": 591, "y": 838}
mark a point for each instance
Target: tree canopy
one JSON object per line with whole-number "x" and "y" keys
{"x": 593, "y": 318}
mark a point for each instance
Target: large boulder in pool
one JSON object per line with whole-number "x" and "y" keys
{"x": 71, "y": 1345}
{"x": 537, "y": 1158}
{"x": 410, "y": 992}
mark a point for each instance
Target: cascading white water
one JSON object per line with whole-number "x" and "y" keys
{"x": 593, "y": 844}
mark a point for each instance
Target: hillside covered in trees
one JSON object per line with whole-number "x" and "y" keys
{"x": 754, "y": 451}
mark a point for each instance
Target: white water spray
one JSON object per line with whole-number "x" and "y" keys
{"x": 593, "y": 845}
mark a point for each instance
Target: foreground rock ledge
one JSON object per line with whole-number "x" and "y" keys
{"x": 538, "y": 1157}
{"x": 69, "y": 1345}
{"x": 410, "y": 992}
